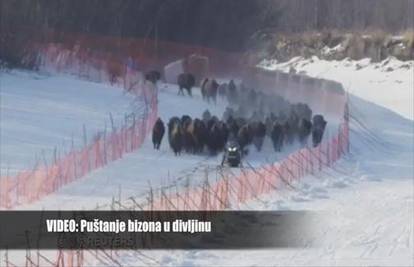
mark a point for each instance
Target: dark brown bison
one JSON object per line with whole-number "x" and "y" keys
{"x": 217, "y": 135}
{"x": 187, "y": 133}
{"x": 158, "y": 133}
{"x": 211, "y": 122}
{"x": 185, "y": 121}
{"x": 259, "y": 133}
{"x": 224, "y": 135}
{"x": 206, "y": 116}
{"x": 209, "y": 89}
{"x": 269, "y": 121}
{"x": 277, "y": 135}
{"x": 303, "y": 111}
{"x": 175, "y": 135}
{"x": 233, "y": 127}
{"x": 185, "y": 81}
{"x": 172, "y": 122}
{"x": 244, "y": 136}
{"x": 200, "y": 135}
{"x": 291, "y": 127}
{"x": 318, "y": 128}
{"x": 305, "y": 129}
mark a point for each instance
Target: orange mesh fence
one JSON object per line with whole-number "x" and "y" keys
{"x": 323, "y": 96}
{"x": 228, "y": 192}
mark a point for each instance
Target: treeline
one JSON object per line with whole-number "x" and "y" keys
{"x": 304, "y": 15}
{"x": 216, "y": 23}
{"x": 227, "y": 25}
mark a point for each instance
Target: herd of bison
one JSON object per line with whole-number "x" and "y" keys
{"x": 249, "y": 117}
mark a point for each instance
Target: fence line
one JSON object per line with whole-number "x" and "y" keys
{"x": 225, "y": 193}
{"x": 229, "y": 191}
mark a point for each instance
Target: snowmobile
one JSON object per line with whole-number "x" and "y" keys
{"x": 232, "y": 154}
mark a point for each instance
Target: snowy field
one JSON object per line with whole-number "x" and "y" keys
{"x": 367, "y": 202}
{"x": 388, "y": 83}
{"x": 136, "y": 172}
{"x": 40, "y": 112}
{"x": 367, "y": 198}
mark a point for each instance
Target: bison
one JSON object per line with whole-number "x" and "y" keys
{"x": 185, "y": 121}
{"x": 244, "y": 136}
{"x": 209, "y": 89}
{"x": 305, "y": 128}
{"x": 233, "y": 127}
{"x": 229, "y": 112}
{"x": 206, "y": 116}
{"x": 185, "y": 81}
{"x": 217, "y": 135}
{"x": 175, "y": 135}
{"x": 277, "y": 135}
{"x": 200, "y": 135}
{"x": 318, "y": 127}
{"x": 259, "y": 133}
{"x": 176, "y": 139}
{"x": 158, "y": 133}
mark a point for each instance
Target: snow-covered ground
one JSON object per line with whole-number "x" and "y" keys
{"x": 367, "y": 196}
{"x": 367, "y": 202}
{"x": 388, "y": 83}
{"x": 40, "y": 112}
{"x": 134, "y": 174}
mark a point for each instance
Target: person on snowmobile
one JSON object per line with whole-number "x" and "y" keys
{"x": 232, "y": 154}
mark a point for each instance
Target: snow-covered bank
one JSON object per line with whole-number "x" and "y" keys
{"x": 389, "y": 83}
{"x": 41, "y": 112}
{"x": 369, "y": 224}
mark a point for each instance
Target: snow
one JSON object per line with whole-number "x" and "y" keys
{"x": 137, "y": 172}
{"x": 40, "y": 112}
{"x": 356, "y": 236}
{"x": 389, "y": 83}
{"x": 133, "y": 175}
{"x": 367, "y": 197}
